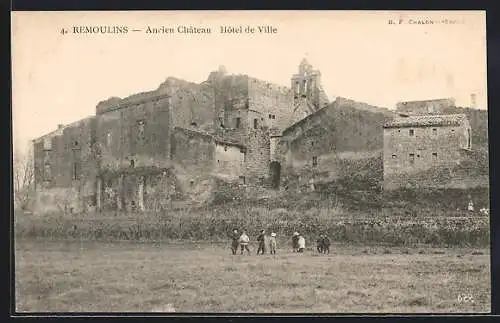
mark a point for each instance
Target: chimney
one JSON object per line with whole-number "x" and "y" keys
{"x": 60, "y": 126}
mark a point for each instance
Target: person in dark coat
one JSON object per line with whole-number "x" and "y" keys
{"x": 235, "y": 241}
{"x": 262, "y": 244}
{"x": 319, "y": 244}
{"x": 326, "y": 244}
{"x": 295, "y": 242}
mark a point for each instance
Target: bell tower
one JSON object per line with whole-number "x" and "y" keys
{"x": 308, "y": 95}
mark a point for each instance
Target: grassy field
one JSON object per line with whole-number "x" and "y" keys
{"x": 133, "y": 277}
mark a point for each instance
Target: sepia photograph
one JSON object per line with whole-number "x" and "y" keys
{"x": 236, "y": 162}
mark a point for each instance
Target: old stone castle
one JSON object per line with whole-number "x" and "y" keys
{"x": 184, "y": 142}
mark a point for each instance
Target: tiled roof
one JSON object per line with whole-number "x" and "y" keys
{"x": 426, "y": 120}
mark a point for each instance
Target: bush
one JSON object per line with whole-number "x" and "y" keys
{"x": 216, "y": 224}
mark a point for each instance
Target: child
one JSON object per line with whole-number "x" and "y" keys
{"x": 326, "y": 244}
{"x": 244, "y": 240}
{"x": 235, "y": 237}
{"x": 272, "y": 241}
{"x": 302, "y": 243}
{"x": 295, "y": 242}
{"x": 262, "y": 244}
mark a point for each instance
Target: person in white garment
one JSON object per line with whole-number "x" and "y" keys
{"x": 302, "y": 243}
{"x": 244, "y": 240}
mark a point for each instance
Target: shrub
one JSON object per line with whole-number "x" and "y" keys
{"x": 216, "y": 224}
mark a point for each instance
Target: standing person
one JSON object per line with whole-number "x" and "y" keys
{"x": 319, "y": 244}
{"x": 302, "y": 243}
{"x": 272, "y": 241}
{"x": 235, "y": 237}
{"x": 326, "y": 244}
{"x": 262, "y": 244}
{"x": 295, "y": 242}
{"x": 244, "y": 240}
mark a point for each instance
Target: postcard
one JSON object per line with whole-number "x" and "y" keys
{"x": 251, "y": 162}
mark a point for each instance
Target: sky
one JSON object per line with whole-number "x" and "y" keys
{"x": 59, "y": 78}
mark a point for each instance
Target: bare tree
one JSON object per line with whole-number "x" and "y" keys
{"x": 23, "y": 179}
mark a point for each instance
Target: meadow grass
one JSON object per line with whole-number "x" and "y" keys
{"x": 200, "y": 277}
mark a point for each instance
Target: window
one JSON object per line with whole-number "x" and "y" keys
{"x": 411, "y": 132}
{"x": 108, "y": 139}
{"x": 132, "y": 163}
{"x": 274, "y": 117}
{"x": 297, "y": 87}
{"x": 270, "y": 116}
{"x": 47, "y": 172}
{"x": 225, "y": 148}
{"x": 255, "y": 123}
{"x": 412, "y": 159}
{"x": 434, "y": 156}
{"x": 315, "y": 161}
{"x": 394, "y": 156}
{"x": 47, "y": 144}
{"x": 76, "y": 170}
{"x": 191, "y": 183}
{"x": 434, "y": 131}
{"x": 238, "y": 122}
{"x": 312, "y": 143}
{"x": 242, "y": 179}
{"x": 469, "y": 143}
{"x": 140, "y": 133}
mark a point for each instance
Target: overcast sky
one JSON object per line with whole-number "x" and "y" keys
{"x": 58, "y": 79}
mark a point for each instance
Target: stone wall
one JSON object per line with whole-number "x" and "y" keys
{"x": 273, "y": 102}
{"x": 257, "y": 155}
{"x": 194, "y": 150}
{"x": 345, "y": 127}
{"x": 193, "y": 104}
{"x": 65, "y": 168}
{"x": 229, "y": 161}
{"x": 437, "y": 106}
{"x": 230, "y": 93}
{"x": 137, "y": 135}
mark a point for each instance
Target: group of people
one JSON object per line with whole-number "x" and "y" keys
{"x": 241, "y": 241}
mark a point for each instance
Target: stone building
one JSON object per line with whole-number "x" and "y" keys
{"x": 319, "y": 147}
{"x": 185, "y": 143}
{"x": 415, "y": 146}
{"x": 152, "y": 148}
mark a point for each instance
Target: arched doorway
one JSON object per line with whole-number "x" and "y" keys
{"x": 275, "y": 169}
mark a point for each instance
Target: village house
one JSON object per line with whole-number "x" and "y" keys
{"x": 414, "y": 145}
